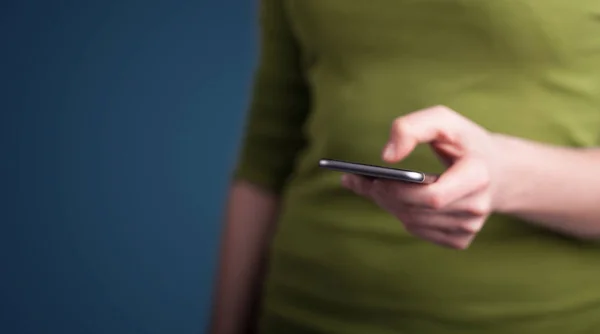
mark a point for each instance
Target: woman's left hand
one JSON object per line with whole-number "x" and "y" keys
{"x": 452, "y": 210}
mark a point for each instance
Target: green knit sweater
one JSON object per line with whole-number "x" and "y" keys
{"x": 332, "y": 76}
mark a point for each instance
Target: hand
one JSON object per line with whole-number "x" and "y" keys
{"x": 452, "y": 210}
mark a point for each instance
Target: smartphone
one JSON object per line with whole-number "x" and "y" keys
{"x": 378, "y": 172}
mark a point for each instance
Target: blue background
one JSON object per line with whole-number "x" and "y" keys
{"x": 118, "y": 130}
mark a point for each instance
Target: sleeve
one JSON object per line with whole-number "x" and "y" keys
{"x": 273, "y": 133}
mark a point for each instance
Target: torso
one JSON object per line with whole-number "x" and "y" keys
{"x": 529, "y": 68}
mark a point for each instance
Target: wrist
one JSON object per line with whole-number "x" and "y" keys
{"x": 528, "y": 170}
{"x": 513, "y": 168}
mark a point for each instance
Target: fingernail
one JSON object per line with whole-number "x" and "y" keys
{"x": 390, "y": 152}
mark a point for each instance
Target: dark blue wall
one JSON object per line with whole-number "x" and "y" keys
{"x": 118, "y": 129}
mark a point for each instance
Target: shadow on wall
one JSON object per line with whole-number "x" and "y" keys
{"x": 118, "y": 129}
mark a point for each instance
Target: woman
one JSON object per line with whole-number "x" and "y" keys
{"x": 505, "y": 94}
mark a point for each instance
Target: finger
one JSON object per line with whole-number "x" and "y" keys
{"x": 385, "y": 194}
{"x": 381, "y": 197}
{"x": 442, "y": 239}
{"x": 447, "y": 222}
{"x": 424, "y": 126}
{"x": 477, "y": 204}
{"x": 466, "y": 177}
{"x": 359, "y": 185}
{"x": 450, "y": 221}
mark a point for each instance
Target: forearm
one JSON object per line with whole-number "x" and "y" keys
{"x": 554, "y": 187}
{"x": 249, "y": 223}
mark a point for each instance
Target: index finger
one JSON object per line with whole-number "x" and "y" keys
{"x": 423, "y": 126}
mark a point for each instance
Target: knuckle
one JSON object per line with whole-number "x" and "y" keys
{"x": 453, "y": 243}
{"x": 479, "y": 209}
{"x": 467, "y": 228}
{"x": 471, "y": 227}
{"x": 448, "y": 114}
{"x": 435, "y": 200}
{"x": 459, "y": 243}
{"x": 442, "y": 109}
{"x": 401, "y": 125}
{"x": 462, "y": 246}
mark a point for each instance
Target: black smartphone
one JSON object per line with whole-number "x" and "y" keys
{"x": 378, "y": 171}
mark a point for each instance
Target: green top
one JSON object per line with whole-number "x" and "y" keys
{"x": 333, "y": 74}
